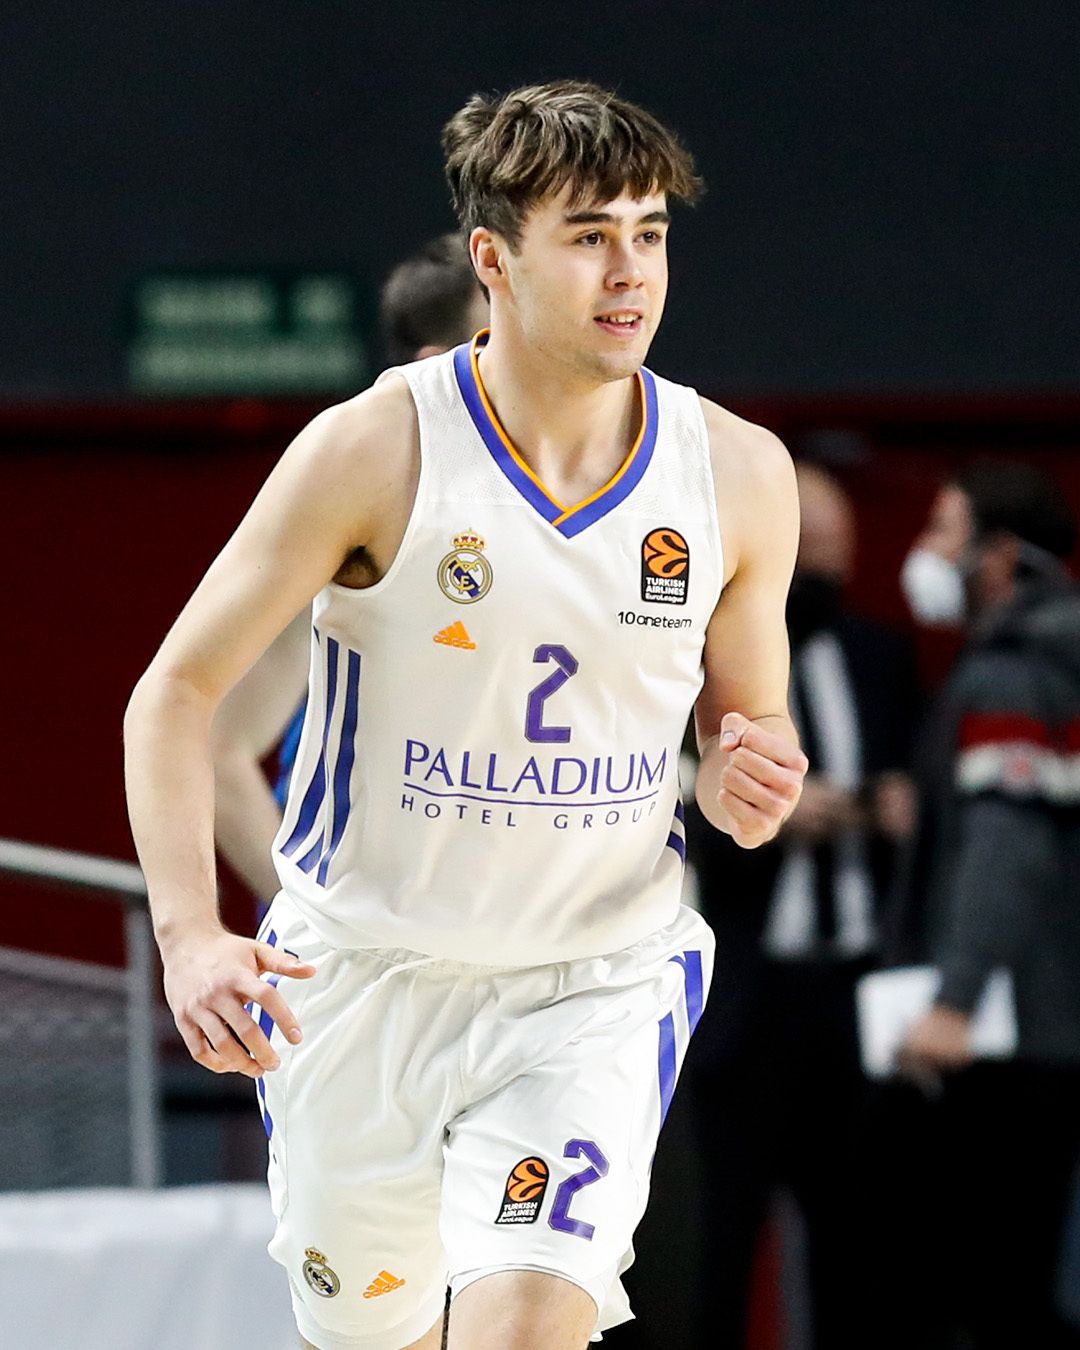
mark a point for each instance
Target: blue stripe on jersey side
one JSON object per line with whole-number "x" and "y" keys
{"x": 695, "y": 986}
{"x": 680, "y": 811}
{"x": 268, "y": 1123}
{"x": 474, "y": 404}
{"x": 343, "y": 771}
{"x": 588, "y": 515}
{"x": 316, "y": 789}
{"x": 694, "y": 995}
{"x": 310, "y": 860}
{"x": 678, "y": 843}
{"x": 668, "y": 1064}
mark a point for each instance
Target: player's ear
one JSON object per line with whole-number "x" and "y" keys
{"x": 486, "y": 250}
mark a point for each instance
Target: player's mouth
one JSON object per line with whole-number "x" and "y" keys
{"x": 621, "y": 322}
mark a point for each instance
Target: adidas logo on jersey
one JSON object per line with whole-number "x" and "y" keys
{"x": 383, "y": 1283}
{"x": 456, "y": 636}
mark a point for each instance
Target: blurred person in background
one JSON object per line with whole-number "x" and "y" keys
{"x": 779, "y": 1090}
{"x": 430, "y": 303}
{"x": 991, "y": 883}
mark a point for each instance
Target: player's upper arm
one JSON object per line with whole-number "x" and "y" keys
{"x": 324, "y": 498}
{"x": 256, "y": 712}
{"x": 746, "y": 646}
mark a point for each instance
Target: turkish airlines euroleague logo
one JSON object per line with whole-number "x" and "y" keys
{"x": 524, "y": 1194}
{"x": 665, "y": 567}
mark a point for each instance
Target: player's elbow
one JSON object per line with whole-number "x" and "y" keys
{"x": 159, "y": 698}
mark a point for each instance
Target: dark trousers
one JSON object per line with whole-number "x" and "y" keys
{"x": 977, "y": 1194}
{"x": 790, "y": 1111}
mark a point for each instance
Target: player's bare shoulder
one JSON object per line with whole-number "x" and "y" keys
{"x": 358, "y": 463}
{"x": 368, "y": 445}
{"x": 755, "y": 482}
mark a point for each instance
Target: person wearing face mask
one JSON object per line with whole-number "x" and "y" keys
{"x": 991, "y": 882}
{"x": 779, "y": 1093}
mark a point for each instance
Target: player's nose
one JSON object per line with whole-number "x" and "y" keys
{"x": 625, "y": 272}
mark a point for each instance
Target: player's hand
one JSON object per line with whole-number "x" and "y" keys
{"x": 760, "y": 781}
{"x": 208, "y": 981}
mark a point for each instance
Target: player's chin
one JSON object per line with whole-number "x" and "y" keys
{"x": 618, "y": 365}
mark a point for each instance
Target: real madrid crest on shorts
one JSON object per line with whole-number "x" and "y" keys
{"x": 319, "y": 1275}
{"x": 465, "y": 574}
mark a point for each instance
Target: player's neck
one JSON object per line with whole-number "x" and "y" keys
{"x": 561, "y": 424}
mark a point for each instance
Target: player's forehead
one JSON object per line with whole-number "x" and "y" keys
{"x": 569, "y": 207}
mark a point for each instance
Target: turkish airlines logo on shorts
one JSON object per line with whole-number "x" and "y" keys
{"x": 524, "y": 1194}
{"x": 665, "y": 567}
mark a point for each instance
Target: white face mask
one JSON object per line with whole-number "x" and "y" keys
{"x": 934, "y": 588}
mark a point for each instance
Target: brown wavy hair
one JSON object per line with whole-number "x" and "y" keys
{"x": 505, "y": 153}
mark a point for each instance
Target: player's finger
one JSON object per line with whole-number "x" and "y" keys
{"x": 753, "y": 792}
{"x": 774, "y": 747}
{"x": 746, "y": 815}
{"x": 733, "y": 727}
{"x": 234, "y": 1058}
{"x": 271, "y": 1001}
{"x": 199, "y": 1048}
{"x": 247, "y": 1031}
{"x": 282, "y": 963}
{"x": 764, "y": 770}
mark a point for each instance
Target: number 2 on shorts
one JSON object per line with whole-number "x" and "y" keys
{"x": 560, "y": 1219}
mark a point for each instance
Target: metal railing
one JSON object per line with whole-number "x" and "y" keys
{"x": 109, "y": 880}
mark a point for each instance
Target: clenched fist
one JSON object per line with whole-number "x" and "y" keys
{"x": 750, "y": 780}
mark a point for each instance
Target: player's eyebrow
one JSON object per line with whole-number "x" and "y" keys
{"x": 606, "y": 218}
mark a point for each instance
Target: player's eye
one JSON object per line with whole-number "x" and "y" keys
{"x": 593, "y": 238}
{"x": 651, "y": 237}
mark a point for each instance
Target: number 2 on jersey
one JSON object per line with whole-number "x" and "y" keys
{"x": 567, "y": 665}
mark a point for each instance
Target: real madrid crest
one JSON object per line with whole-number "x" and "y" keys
{"x": 465, "y": 574}
{"x": 319, "y": 1275}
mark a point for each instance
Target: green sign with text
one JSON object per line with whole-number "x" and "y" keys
{"x": 248, "y": 333}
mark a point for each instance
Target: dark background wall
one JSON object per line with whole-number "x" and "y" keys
{"x": 892, "y": 187}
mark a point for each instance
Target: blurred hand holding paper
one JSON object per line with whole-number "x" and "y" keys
{"x": 889, "y": 1002}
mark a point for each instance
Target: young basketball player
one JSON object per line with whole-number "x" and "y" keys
{"x": 530, "y": 559}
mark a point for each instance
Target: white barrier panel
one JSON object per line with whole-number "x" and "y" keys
{"x": 180, "y": 1269}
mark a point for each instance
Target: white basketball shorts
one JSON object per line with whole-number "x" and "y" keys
{"x": 440, "y": 1122}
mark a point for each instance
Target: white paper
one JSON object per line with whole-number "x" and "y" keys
{"x": 890, "y": 1002}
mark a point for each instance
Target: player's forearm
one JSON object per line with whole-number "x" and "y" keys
{"x": 170, "y": 792}
{"x": 246, "y": 819}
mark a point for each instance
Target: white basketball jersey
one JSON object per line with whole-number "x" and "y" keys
{"x": 488, "y": 770}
